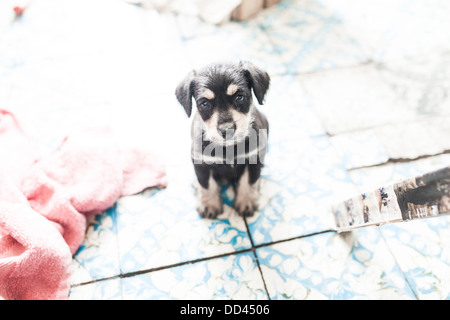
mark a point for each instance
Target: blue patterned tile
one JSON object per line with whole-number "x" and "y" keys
{"x": 309, "y": 37}
{"x": 356, "y": 265}
{"x": 98, "y": 256}
{"x": 230, "y": 277}
{"x": 301, "y": 180}
{"x": 421, "y": 166}
{"x": 101, "y": 290}
{"x": 294, "y": 13}
{"x": 314, "y": 47}
{"x": 289, "y": 111}
{"x": 359, "y": 149}
{"x": 367, "y": 179}
{"x": 164, "y": 228}
{"x": 415, "y": 140}
{"x": 422, "y": 249}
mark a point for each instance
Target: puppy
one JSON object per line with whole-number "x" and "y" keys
{"x": 229, "y": 134}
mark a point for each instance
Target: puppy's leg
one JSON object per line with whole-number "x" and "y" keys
{"x": 246, "y": 202}
{"x": 210, "y": 201}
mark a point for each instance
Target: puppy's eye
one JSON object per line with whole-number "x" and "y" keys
{"x": 239, "y": 98}
{"x": 205, "y": 106}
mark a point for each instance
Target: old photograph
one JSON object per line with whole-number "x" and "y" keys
{"x": 420, "y": 197}
{"x": 424, "y": 196}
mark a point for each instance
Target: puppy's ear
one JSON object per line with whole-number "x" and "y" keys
{"x": 259, "y": 80}
{"x": 185, "y": 91}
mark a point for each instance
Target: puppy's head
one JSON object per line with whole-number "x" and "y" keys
{"x": 223, "y": 95}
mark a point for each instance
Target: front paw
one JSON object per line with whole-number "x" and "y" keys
{"x": 246, "y": 207}
{"x": 209, "y": 211}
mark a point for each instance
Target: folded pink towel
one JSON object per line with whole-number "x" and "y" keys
{"x": 44, "y": 202}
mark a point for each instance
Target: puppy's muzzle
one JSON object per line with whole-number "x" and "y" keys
{"x": 227, "y": 130}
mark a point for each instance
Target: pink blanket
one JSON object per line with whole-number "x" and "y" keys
{"x": 45, "y": 201}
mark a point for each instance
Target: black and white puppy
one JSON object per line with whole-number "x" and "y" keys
{"x": 229, "y": 134}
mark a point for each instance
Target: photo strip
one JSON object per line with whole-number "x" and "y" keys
{"x": 420, "y": 197}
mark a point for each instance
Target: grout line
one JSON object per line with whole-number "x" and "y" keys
{"x": 398, "y": 265}
{"x": 256, "y": 257}
{"x": 140, "y": 272}
{"x": 136, "y": 273}
{"x": 400, "y": 160}
{"x": 268, "y": 244}
{"x": 252, "y": 249}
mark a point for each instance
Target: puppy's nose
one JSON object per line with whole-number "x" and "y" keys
{"x": 227, "y": 130}
{"x": 226, "y": 133}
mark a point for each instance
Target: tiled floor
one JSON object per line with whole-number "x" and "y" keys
{"x": 359, "y": 97}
